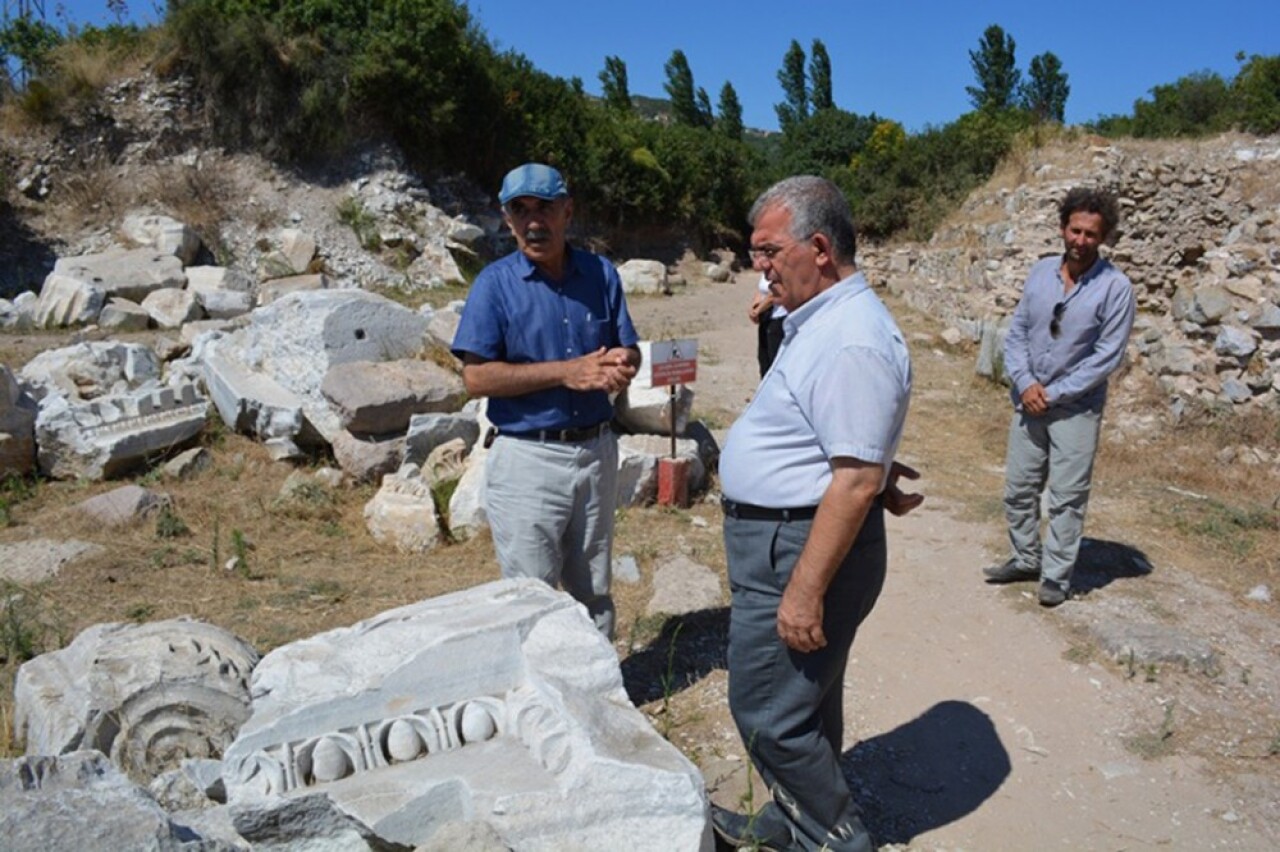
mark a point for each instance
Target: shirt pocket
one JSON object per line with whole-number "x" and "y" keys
{"x": 592, "y": 334}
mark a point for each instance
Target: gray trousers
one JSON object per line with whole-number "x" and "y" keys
{"x": 788, "y": 706}
{"x": 550, "y": 508}
{"x": 1055, "y": 449}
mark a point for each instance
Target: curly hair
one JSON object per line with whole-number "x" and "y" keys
{"x": 1084, "y": 199}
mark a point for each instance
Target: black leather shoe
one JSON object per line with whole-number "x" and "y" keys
{"x": 766, "y": 831}
{"x": 1051, "y": 594}
{"x": 1009, "y": 572}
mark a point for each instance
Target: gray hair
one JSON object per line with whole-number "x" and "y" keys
{"x": 817, "y": 206}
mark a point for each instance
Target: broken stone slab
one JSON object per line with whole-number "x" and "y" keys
{"x": 114, "y": 434}
{"x": 125, "y": 505}
{"x": 171, "y": 308}
{"x": 428, "y": 431}
{"x": 306, "y": 822}
{"x": 162, "y": 233}
{"x": 294, "y": 343}
{"x": 648, "y": 410}
{"x": 79, "y": 801}
{"x": 146, "y": 695}
{"x": 17, "y": 427}
{"x": 443, "y": 324}
{"x": 499, "y": 703}
{"x": 65, "y": 301}
{"x": 187, "y": 464}
{"x": 380, "y": 398}
{"x": 638, "y": 466}
{"x": 402, "y": 513}
{"x": 219, "y": 279}
{"x": 1148, "y": 644}
{"x": 277, "y": 288}
{"x": 191, "y": 331}
{"x": 466, "y": 507}
{"x": 131, "y": 274}
{"x": 252, "y": 402}
{"x": 643, "y": 276}
{"x": 225, "y": 304}
{"x": 447, "y": 461}
{"x": 195, "y": 785}
{"x": 297, "y": 248}
{"x": 19, "y": 314}
{"x": 41, "y": 559}
{"x": 682, "y": 586}
{"x": 365, "y": 459}
{"x": 89, "y": 370}
{"x": 120, "y": 314}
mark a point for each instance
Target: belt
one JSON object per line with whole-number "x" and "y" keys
{"x": 747, "y": 512}
{"x": 586, "y": 433}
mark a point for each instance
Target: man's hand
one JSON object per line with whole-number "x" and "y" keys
{"x": 761, "y": 303}
{"x": 895, "y": 500}
{"x": 800, "y": 620}
{"x": 609, "y": 370}
{"x": 1034, "y": 400}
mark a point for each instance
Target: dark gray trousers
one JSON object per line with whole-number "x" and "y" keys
{"x": 788, "y": 706}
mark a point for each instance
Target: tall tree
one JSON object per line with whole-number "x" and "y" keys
{"x": 996, "y": 70}
{"x": 820, "y": 77}
{"x": 679, "y": 86}
{"x": 795, "y": 108}
{"x": 613, "y": 80}
{"x": 704, "y": 108}
{"x": 729, "y": 120}
{"x": 1045, "y": 92}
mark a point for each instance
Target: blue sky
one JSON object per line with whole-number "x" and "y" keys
{"x": 901, "y": 59}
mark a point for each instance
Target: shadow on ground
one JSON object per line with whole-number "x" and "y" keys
{"x": 1100, "y": 562}
{"x": 927, "y": 773}
{"x": 684, "y": 651}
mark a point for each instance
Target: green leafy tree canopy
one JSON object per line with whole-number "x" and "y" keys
{"x": 996, "y": 70}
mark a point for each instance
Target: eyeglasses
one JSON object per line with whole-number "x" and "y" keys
{"x": 1055, "y": 324}
{"x": 770, "y": 252}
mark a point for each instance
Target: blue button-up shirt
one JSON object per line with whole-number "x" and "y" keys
{"x": 1093, "y": 330}
{"x": 838, "y": 388}
{"x": 516, "y": 314}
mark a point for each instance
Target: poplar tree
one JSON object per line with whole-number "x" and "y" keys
{"x": 613, "y": 80}
{"x": 795, "y": 108}
{"x": 820, "y": 77}
{"x": 679, "y": 86}
{"x": 1045, "y": 92}
{"x": 729, "y": 120}
{"x": 996, "y": 70}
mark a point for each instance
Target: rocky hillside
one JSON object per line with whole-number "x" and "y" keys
{"x": 1200, "y": 238}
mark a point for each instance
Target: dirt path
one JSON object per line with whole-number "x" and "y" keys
{"x": 975, "y": 719}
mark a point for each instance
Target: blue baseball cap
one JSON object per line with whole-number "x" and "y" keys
{"x": 532, "y": 179}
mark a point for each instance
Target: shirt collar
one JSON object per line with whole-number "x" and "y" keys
{"x": 842, "y": 290}
{"x": 529, "y": 270}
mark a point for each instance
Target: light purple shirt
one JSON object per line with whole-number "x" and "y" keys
{"x": 1093, "y": 331}
{"x": 838, "y": 388}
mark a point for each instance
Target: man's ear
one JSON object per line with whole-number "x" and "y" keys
{"x": 568, "y": 209}
{"x": 822, "y": 243}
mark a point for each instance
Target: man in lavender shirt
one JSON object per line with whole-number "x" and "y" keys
{"x": 1068, "y": 335}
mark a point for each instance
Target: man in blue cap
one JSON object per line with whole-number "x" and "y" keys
{"x": 546, "y": 336}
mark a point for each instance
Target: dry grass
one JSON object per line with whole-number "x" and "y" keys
{"x": 311, "y": 565}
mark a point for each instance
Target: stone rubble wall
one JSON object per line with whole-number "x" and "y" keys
{"x": 1199, "y": 238}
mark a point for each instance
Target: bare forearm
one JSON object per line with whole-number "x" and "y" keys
{"x": 501, "y": 379}
{"x": 604, "y": 370}
{"x": 840, "y": 515}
